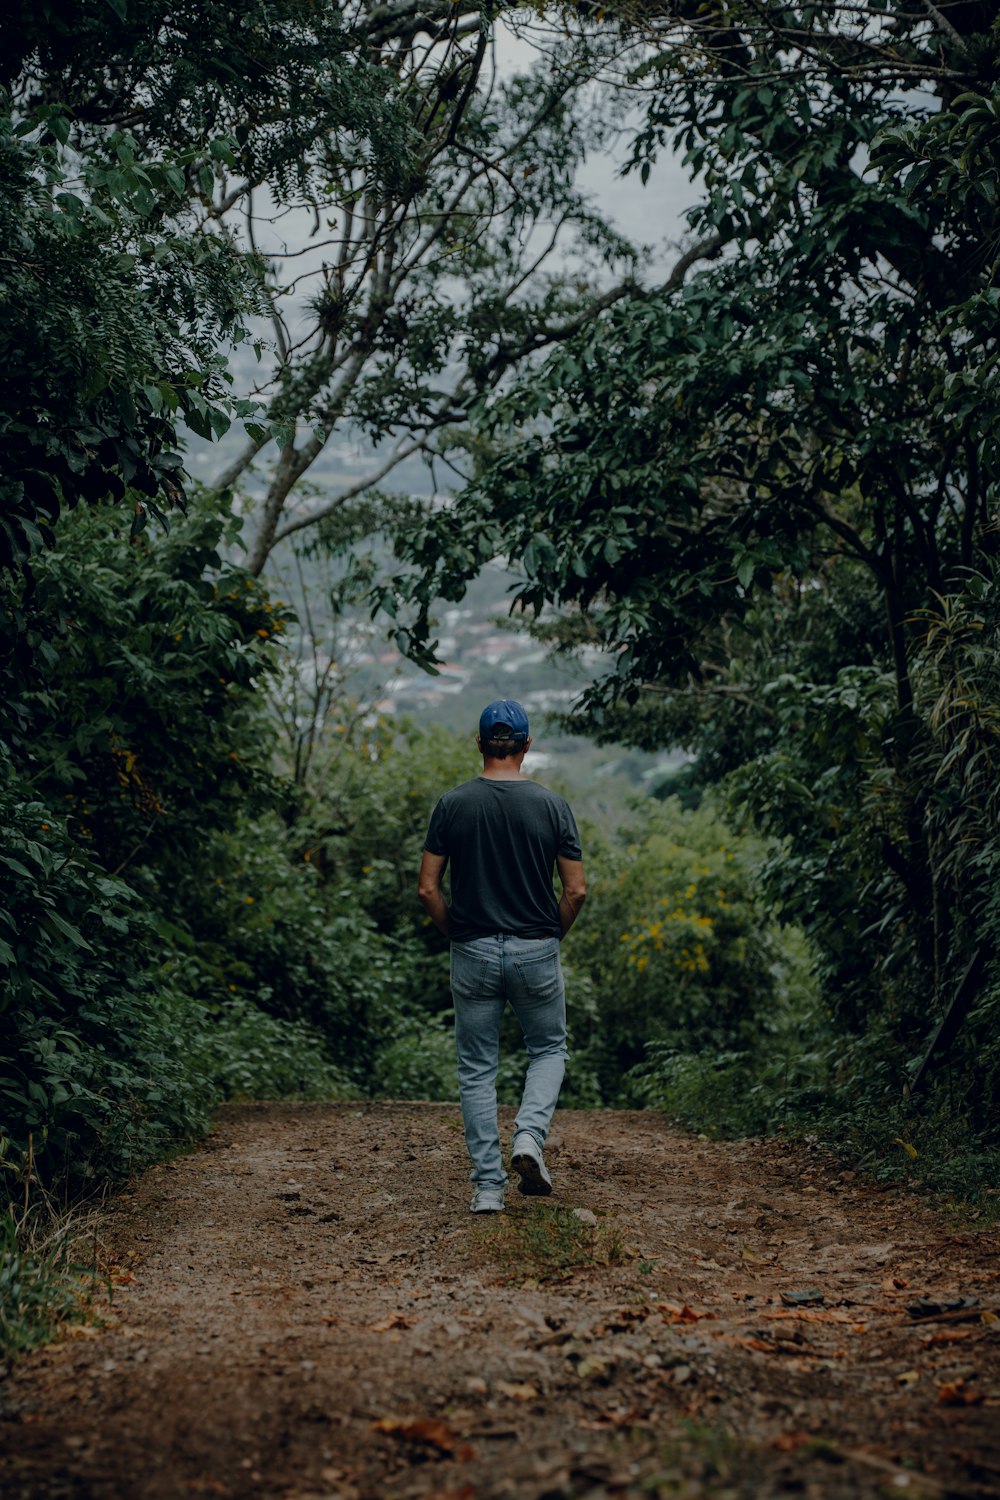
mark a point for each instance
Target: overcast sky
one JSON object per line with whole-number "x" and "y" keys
{"x": 652, "y": 215}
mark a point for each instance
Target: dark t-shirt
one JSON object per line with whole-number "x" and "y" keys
{"x": 502, "y": 838}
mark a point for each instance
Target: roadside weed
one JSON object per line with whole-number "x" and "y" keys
{"x": 546, "y": 1242}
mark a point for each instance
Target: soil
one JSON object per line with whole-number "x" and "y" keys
{"x": 304, "y": 1307}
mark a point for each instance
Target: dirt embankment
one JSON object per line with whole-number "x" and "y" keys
{"x": 305, "y": 1308}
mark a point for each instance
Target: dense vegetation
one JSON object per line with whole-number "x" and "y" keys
{"x": 767, "y": 489}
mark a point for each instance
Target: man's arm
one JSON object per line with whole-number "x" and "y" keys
{"x": 574, "y": 890}
{"x": 432, "y": 868}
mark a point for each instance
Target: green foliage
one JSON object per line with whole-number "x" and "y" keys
{"x": 109, "y": 329}
{"x": 251, "y": 1055}
{"x": 364, "y": 814}
{"x": 130, "y": 1008}
{"x": 417, "y": 1061}
{"x": 189, "y": 76}
{"x": 92, "y": 1061}
{"x": 367, "y": 807}
{"x": 674, "y": 946}
{"x": 118, "y": 653}
{"x": 259, "y": 922}
{"x": 418, "y": 306}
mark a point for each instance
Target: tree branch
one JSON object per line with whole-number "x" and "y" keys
{"x": 358, "y": 488}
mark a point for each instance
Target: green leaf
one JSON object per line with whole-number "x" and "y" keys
{"x": 52, "y": 919}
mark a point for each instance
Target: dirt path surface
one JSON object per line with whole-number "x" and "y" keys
{"x": 305, "y": 1308}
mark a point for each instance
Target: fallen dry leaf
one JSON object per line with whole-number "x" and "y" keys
{"x": 430, "y": 1432}
{"x": 947, "y": 1336}
{"x": 606, "y": 1420}
{"x": 523, "y": 1392}
{"x": 809, "y": 1315}
{"x": 394, "y": 1320}
{"x": 957, "y": 1393}
{"x": 674, "y": 1312}
{"x": 791, "y": 1442}
{"x": 762, "y": 1345}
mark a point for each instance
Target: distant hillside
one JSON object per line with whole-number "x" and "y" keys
{"x": 483, "y": 656}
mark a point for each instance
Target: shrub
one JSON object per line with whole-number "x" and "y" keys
{"x": 674, "y": 942}
{"x": 93, "y": 1061}
{"x": 250, "y": 1055}
{"x": 418, "y": 1061}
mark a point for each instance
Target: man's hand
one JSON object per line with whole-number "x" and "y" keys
{"x": 574, "y": 891}
{"x": 432, "y": 868}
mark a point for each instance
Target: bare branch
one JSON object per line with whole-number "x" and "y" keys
{"x": 369, "y": 482}
{"x": 706, "y": 249}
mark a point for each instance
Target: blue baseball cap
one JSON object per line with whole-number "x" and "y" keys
{"x": 506, "y": 712}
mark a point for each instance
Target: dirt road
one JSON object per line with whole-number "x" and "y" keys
{"x": 304, "y": 1307}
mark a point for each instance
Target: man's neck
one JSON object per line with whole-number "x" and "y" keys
{"x": 503, "y": 770}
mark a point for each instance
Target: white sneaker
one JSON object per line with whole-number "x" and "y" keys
{"x": 529, "y": 1164}
{"x": 487, "y": 1200}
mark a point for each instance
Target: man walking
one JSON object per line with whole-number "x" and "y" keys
{"x": 503, "y": 835}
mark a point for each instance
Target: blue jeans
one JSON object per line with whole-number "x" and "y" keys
{"x": 486, "y": 973}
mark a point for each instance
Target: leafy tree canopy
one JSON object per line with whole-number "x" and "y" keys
{"x": 119, "y": 291}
